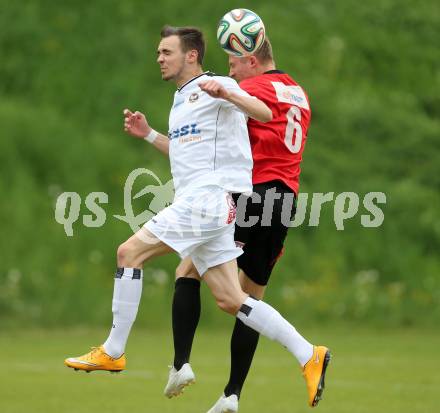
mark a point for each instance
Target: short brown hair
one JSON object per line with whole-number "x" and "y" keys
{"x": 264, "y": 54}
{"x": 191, "y": 38}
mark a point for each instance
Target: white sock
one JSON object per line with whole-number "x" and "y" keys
{"x": 126, "y": 297}
{"x": 267, "y": 321}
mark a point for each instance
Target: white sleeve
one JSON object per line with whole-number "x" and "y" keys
{"x": 232, "y": 86}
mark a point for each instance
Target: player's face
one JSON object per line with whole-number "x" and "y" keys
{"x": 239, "y": 68}
{"x": 170, "y": 57}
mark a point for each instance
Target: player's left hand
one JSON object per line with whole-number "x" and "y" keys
{"x": 214, "y": 89}
{"x": 135, "y": 124}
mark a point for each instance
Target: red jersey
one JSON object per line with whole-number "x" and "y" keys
{"x": 277, "y": 145}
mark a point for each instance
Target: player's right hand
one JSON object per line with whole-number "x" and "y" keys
{"x": 214, "y": 89}
{"x": 135, "y": 124}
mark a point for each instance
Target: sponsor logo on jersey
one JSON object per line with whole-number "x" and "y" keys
{"x": 186, "y": 133}
{"x": 291, "y": 94}
{"x": 190, "y": 139}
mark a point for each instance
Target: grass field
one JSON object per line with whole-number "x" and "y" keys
{"x": 371, "y": 371}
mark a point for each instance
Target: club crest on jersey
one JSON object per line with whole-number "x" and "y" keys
{"x": 193, "y": 97}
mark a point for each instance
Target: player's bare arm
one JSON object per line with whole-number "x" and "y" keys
{"x": 135, "y": 124}
{"x": 253, "y": 107}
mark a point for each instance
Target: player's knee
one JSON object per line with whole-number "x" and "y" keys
{"x": 228, "y": 305}
{"x": 181, "y": 271}
{"x": 187, "y": 270}
{"x": 125, "y": 255}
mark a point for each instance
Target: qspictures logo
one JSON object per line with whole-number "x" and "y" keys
{"x": 347, "y": 206}
{"x": 68, "y": 204}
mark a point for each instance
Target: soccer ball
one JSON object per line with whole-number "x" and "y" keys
{"x": 241, "y": 32}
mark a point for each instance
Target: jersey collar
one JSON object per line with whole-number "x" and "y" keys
{"x": 271, "y": 72}
{"x": 191, "y": 80}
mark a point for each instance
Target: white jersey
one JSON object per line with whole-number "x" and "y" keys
{"x": 209, "y": 142}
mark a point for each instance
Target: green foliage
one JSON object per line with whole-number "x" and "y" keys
{"x": 371, "y": 71}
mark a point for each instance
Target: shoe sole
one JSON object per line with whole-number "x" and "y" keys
{"x": 321, "y": 384}
{"x": 224, "y": 411}
{"x": 180, "y": 389}
{"x": 89, "y": 371}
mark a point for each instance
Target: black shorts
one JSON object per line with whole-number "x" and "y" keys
{"x": 262, "y": 242}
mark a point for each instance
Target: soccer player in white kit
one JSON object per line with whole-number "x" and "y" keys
{"x": 210, "y": 158}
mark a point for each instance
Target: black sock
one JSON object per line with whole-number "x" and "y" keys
{"x": 244, "y": 342}
{"x": 186, "y": 314}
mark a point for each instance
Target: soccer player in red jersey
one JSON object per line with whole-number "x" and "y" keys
{"x": 277, "y": 148}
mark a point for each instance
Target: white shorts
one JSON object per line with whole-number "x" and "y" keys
{"x": 200, "y": 225}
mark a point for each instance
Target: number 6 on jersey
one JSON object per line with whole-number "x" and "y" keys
{"x": 293, "y": 136}
{"x": 296, "y": 97}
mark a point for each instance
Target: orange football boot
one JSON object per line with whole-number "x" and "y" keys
{"x": 97, "y": 359}
{"x": 314, "y": 373}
